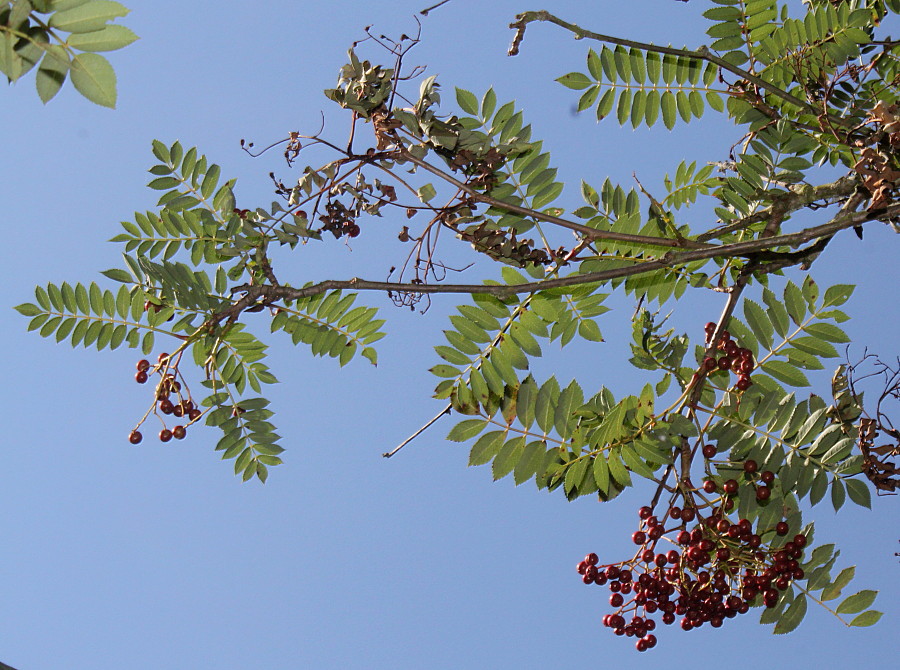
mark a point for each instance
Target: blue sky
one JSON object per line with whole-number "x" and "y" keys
{"x": 158, "y": 557}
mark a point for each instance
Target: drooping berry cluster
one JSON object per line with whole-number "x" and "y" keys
{"x": 172, "y": 398}
{"x": 735, "y": 358}
{"x": 716, "y": 569}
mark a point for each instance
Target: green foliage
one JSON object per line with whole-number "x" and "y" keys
{"x": 801, "y": 92}
{"x": 31, "y": 35}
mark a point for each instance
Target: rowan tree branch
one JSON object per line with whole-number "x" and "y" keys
{"x": 269, "y": 295}
{"x": 702, "y": 53}
{"x": 587, "y": 231}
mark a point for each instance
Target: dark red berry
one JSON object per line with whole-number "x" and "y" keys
{"x": 750, "y": 466}
{"x": 178, "y": 410}
{"x": 592, "y": 559}
{"x": 688, "y": 514}
{"x": 162, "y": 357}
{"x": 724, "y": 363}
{"x": 767, "y": 477}
{"x": 800, "y": 541}
{"x": 763, "y": 493}
{"x": 143, "y": 364}
{"x": 730, "y": 487}
{"x": 135, "y": 437}
{"x": 178, "y": 432}
{"x": 709, "y": 364}
{"x": 645, "y": 512}
{"x": 166, "y": 406}
{"x": 639, "y": 537}
{"x": 141, "y": 377}
{"x": 165, "y": 435}
{"x": 616, "y": 599}
{"x": 194, "y": 414}
{"x": 743, "y": 383}
{"x": 781, "y": 528}
{"x": 710, "y": 328}
{"x": 709, "y": 451}
{"x": 709, "y": 486}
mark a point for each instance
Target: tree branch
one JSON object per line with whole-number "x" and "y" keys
{"x": 703, "y": 53}
{"x": 268, "y": 295}
{"x": 587, "y": 231}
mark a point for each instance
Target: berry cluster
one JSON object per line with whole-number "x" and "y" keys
{"x": 169, "y": 400}
{"x": 734, "y": 358}
{"x": 762, "y": 480}
{"x": 716, "y": 569}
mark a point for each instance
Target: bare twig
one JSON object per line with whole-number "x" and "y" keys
{"x": 421, "y": 430}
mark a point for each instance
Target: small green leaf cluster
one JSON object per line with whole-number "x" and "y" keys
{"x": 89, "y": 315}
{"x": 31, "y": 35}
{"x": 331, "y": 326}
{"x": 248, "y": 435}
{"x": 642, "y": 86}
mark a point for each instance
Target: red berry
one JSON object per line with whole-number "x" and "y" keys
{"x": 162, "y": 357}
{"x": 639, "y": 537}
{"x": 645, "y": 512}
{"x": 781, "y": 528}
{"x": 178, "y": 432}
{"x": 763, "y": 493}
{"x": 725, "y": 336}
{"x": 724, "y": 363}
{"x": 731, "y": 487}
{"x": 800, "y": 541}
{"x": 688, "y": 514}
{"x": 143, "y": 364}
{"x": 165, "y": 435}
{"x": 194, "y": 414}
{"x": 353, "y": 230}
{"x": 141, "y": 377}
{"x": 709, "y": 364}
{"x": 709, "y": 451}
{"x": 592, "y": 559}
{"x": 616, "y": 599}
{"x": 743, "y": 383}
{"x": 750, "y": 466}
{"x": 767, "y": 477}
{"x": 166, "y": 406}
{"x": 709, "y": 486}
{"x": 135, "y": 437}
{"x": 710, "y": 328}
